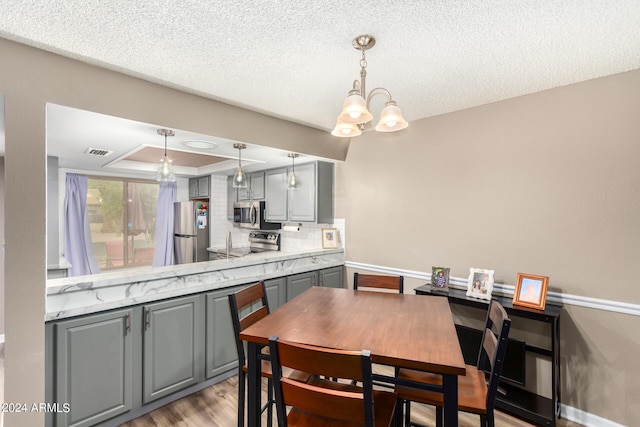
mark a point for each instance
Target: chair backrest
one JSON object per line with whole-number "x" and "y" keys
{"x": 243, "y": 302}
{"x": 322, "y": 398}
{"x": 494, "y": 346}
{"x": 395, "y": 283}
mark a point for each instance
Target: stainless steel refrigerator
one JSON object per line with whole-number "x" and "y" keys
{"x": 190, "y": 232}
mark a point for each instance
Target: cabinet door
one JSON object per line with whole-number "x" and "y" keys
{"x": 298, "y": 283}
{"x": 94, "y": 368}
{"x": 257, "y": 185}
{"x": 173, "y": 340}
{"x": 221, "y": 354}
{"x": 302, "y": 200}
{"x": 193, "y": 188}
{"x": 276, "y": 292}
{"x": 232, "y": 197}
{"x": 332, "y": 277}
{"x": 276, "y": 195}
{"x": 203, "y": 187}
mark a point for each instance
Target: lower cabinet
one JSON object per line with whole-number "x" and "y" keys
{"x": 172, "y": 347}
{"x": 107, "y": 364}
{"x": 220, "y": 353}
{"x": 94, "y": 356}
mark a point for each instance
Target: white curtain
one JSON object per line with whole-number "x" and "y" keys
{"x": 163, "y": 254}
{"x": 78, "y": 246}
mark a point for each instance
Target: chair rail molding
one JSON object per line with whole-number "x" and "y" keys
{"x": 506, "y": 289}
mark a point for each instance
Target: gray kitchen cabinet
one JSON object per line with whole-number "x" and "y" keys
{"x": 255, "y": 187}
{"x": 220, "y": 352}
{"x": 276, "y": 292}
{"x": 172, "y": 346}
{"x": 93, "y": 358}
{"x": 312, "y": 200}
{"x": 298, "y": 283}
{"x": 275, "y": 193}
{"x": 332, "y": 277}
{"x": 199, "y": 187}
{"x": 232, "y": 197}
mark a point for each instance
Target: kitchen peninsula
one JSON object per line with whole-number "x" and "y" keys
{"x": 120, "y": 344}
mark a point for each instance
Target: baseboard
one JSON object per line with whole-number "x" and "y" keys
{"x": 586, "y": 419}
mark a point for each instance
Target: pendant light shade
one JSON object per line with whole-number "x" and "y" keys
{"x": 346, "y": 130}
{"x": 165, "y": 171}
{"x": 354, "y": 110}
{"x": 239, "y": 178}
{"x": 292, "y": 178}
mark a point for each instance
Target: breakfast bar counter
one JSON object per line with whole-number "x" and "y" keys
{"x": 74, "y": 296}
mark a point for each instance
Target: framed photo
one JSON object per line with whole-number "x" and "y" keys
{"x": 329, "y": 238}
{"x": 480, "y": 283}
{"x": 531, "y": 291}
{"x": 439, "y": 279}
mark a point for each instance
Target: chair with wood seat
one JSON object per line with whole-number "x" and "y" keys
{"x": 324, "y": 403}
{"x": 476, "y": 394}
{"x": 247, "y": 306}
{"x": 395, "y": 283}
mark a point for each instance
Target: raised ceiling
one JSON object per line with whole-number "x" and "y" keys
{"x": 294, "y": 59}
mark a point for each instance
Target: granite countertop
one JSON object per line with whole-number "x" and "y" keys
{"x": 72, "y": 296}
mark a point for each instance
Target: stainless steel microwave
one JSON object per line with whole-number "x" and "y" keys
{"x": 250, "y": 214}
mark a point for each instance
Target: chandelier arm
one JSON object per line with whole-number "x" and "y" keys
{"x": 378, "y": 91}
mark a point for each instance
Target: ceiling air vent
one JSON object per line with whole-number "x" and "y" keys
{"x": 100, "y": 152}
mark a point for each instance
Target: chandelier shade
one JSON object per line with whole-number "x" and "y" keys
{"x": 355, "y": 114}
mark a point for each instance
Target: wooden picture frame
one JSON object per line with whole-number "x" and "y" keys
{"x": 531, "y": 291}
{"x": 329, "y": 238}
{"x": 480, "y": 283}
{"x": 440, "y": 279}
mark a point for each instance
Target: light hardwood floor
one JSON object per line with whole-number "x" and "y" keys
{"x": 217, "y": 406}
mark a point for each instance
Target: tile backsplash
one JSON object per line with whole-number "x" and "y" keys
{"x": 309, "y": 236}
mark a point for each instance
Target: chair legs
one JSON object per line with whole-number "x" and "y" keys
{"x": 242, "y": 382}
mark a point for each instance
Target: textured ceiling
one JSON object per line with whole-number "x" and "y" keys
{"x": 294, "y": 59}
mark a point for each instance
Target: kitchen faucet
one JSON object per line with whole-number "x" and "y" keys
{"x": 229, "y": 244}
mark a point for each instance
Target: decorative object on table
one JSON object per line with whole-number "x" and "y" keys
{"x": 355, "y": 113}
{"x": 480, "y": 284}
{"x": 531, "y": 291}
{"x": 440, "y": 279}
{"x": 329, "y": 238}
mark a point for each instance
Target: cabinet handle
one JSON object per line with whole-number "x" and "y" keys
{"x": 147, "y": 319}
{"x": 127, "y": 327}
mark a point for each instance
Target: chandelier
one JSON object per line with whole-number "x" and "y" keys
{"x": 355, "y": 110}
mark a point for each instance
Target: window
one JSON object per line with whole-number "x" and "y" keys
{"x": 122, "y": 218}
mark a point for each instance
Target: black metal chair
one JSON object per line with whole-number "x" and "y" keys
{"x": 252, "y": 300}
{"x": 475, "y": 394}
{"x": 325, "y": 403}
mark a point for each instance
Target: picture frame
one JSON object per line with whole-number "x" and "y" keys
{"x": 531, "y": 291}
{"x": 480, "y": 283}
{"x": 440, "y": 279}
{"x": 329, "y": 238}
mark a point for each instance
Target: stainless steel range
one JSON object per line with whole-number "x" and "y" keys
{"x": 263, "y": 241}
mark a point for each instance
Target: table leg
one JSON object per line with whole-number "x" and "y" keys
{"x": 450, "y": 391}
{"x": 253, "y": 385}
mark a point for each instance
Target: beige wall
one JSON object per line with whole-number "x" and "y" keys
{"x": 29, "y": 79}
{"x": 544, "y": 184}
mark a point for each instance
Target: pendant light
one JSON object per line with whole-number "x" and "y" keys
{"x": 292, "y": 180}
{"x": 165, "y": 170}
{"x": 239, "y": 178}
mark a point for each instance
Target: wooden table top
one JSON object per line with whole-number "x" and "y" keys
{"x": 408, "y": 331}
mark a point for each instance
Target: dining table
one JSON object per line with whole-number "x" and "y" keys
{"x": 400, "y": 330}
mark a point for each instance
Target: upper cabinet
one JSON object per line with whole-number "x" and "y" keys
{"x": 311, "y": 201}
{"x": 255, "y": 187}
{"x": 199, "y": 187}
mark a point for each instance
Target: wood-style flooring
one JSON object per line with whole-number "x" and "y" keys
{"x": 217, "y": 406}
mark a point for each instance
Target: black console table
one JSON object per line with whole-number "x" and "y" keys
{"x": 516, "y": 400}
